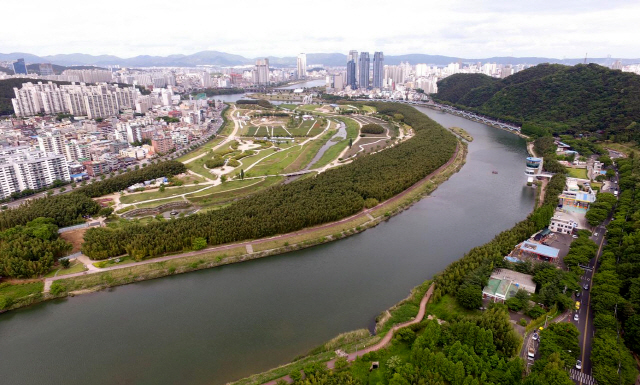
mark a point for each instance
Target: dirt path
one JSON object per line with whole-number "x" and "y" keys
{"x": 382, "y": 343}
{"x": 338, "y": 223}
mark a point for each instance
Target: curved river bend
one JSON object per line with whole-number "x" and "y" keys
{"x": 221, "y": 324}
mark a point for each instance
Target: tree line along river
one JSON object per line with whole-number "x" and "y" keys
{"x": 217, "y": 325}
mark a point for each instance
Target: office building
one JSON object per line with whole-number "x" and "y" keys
{"x": 302, "y": 66}
{"x": 378, "y": 70}
{"x": 22, "y": 168}
{"x": 19, "y": 67}
{"x": 363, "y": 80}
{"x": 353, "y": 56}
{"x": 351, "y": 74}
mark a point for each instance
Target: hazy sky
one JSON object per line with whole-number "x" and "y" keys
{"x": 549, "y": 28}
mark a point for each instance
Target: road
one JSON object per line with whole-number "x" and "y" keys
{"x": 585, "y": 314}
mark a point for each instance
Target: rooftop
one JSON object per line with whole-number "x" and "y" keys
{"x": 539, "y": 249}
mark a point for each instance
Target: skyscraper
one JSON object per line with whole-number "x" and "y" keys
{"x": 19, "y": 67}
{"x": 262, "y": 71}
{"x": 353, "y": 56}
{"x": 351, "y": 74}
{"x": 363, "y": 81}
{"x": 302, "y": 66}
{"x": 46, "y": 69}
{"x": 378, "y": 69}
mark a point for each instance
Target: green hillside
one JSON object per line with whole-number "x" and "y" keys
{"x": 579, "y": 98}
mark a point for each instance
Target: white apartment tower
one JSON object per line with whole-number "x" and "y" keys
{"x": 51, "y": 142}
{"x": 22, "y": 168}
{"x": 262, "y": 71}
{"x": 302, "y": 66}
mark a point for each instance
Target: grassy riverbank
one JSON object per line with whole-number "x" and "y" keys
{"x": 462, "y": 133}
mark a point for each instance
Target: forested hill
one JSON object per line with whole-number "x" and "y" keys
{"x": 6, "y": 92}
{"x": 579, "y": 98}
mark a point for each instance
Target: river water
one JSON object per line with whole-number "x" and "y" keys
{"x": 221, "y": 324}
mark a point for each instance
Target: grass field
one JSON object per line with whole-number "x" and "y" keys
{"x": 225, "y": 196}
{"x": 577, "y": 172}
{"x": 167, "y": 193}
{"x": 21, "y": 290}
{"x": 369, "y": 108}
{"x": 75, "y": 267}
{"x": 201, "y": 150}
{"x": 234, "y": 184}
{"x": 289, "y": 106}
{"x": 276, "y": 163}
{"x": 149, "y": 205}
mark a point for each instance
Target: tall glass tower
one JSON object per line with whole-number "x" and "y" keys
{"x": 378, "y": 70}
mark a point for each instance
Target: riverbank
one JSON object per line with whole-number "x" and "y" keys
{"x": 80, "y": 283}
{"x": 462, "y": 133}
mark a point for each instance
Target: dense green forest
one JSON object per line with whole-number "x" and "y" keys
{"x": 6, "y": 92}
{"x": 574, "y": 99}
{"x": 219, "y": 91}
{"x": 330, "y": 196}
{"x": 30, "y": 250}
{"x": 615, "y": 295}
{"x": 469, "y": 351}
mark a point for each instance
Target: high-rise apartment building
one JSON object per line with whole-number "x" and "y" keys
{"x": 378, "y": 70}
{"x": 22, "y": 168}
{"x": 302, "y": 66}
{"x": 46, "y": 69}
{"x": 262, "y": 71}
{"x": 351, "y": 74}
{"x": 19, "y": 67}
{"x": 363, "y": 80}
{"x": 51, "y": 142}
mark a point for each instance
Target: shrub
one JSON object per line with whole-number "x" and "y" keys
{"x": 341, "y": 363}
{"x": 198, "y": 243}
{"x": 213, "y": 163}
{"x": 372, "y": 129}
{"x": 522, "y": 322}
{"x": 65, "y": 263}
{"x": 535, "y": 312}
{"x": 57, "y": 288}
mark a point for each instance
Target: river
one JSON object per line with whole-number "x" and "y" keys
{"x": 221, "y": 324}
{"x": 232, "y": 98}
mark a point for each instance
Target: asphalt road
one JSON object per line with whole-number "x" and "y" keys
{"x": 585, "y": 314}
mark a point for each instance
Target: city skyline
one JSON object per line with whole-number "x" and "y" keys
{"x": 570, "y": 29}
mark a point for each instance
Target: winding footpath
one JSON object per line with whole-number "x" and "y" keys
{"x": 382, "y": 343}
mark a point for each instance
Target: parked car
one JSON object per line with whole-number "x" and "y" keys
{"x": 535, "y": 336}
{"x": 574, "y": 236}
{"x": 174, "y": 213}
{"x": 579, "y": 365}
{"x": 576, "y": 317}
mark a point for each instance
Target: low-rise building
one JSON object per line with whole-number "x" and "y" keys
{"x": 562, "y": 223}
{"x": 538, "y": 251}
{"x": 504, "y": 284}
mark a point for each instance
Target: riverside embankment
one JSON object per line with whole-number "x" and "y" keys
{"x": 217, "y": 325}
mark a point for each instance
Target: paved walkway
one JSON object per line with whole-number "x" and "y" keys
{"x": 382, "y": 343}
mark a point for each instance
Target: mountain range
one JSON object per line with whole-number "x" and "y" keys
{"x": 227, "y": 59}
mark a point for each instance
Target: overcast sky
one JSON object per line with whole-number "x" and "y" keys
{"x": 469, "y": 29}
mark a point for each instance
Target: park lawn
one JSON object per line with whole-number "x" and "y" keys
{"x": 8, "y": 290}
{"x": 580, "y": 173}
{"x": 75, "y": 267}
{"x": 227, "y": 129}
{"x": 197, "y": 166}
{"x": 225, "y": 196}
{"x": 332, "y": 153}
{"x": 596, "y": 186}
{"x": 306, "y": 124}
{"x": 190, "y": 179}
{"x": 369, "y": 108}
{"x": 230, "y": 185}
{"x": 112, "y": 262}
{"x": 250, "y": 160}
{"x": 289, "y": 106}
{"x": 276, "y": 163}
{"x": 167, "y": 193}
{"x": 310, "y": 150}
{"x": 360, "y": 368}
{"x": 149, "y": 205}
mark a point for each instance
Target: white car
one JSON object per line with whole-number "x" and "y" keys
{"x": 579, "y": 365}
{"x": 576, "y": 317}
{"x": 574, "y": 236}
{"x": 595, "y": 234}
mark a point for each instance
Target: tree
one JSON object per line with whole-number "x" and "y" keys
{"x": 65, "y": 263}
{"x": 105, "y": 212}
{"x": 469, "y": 296}
{"x": 350, "y": 142}
{"x": 241, "y": 174}
{"x": 161, "y": 189}
{"x": 198, "y": 243}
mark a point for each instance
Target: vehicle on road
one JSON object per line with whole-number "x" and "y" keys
{"x": 615, "y": 193}
{"x": 576, "y": 317}
{"x": 586, "y": 286}
{"x": 174, "y": 213}
{"x": 577, "y": 305}
{"x": 574, "y": 236}
{"x": 595, "y": 234}
{"x": 535, "y": 336}
{"x": 578, "y": 294}
{"x": 531, "y": 353}
{"x": 579, "y": 365}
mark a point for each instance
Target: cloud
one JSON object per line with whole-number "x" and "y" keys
{"x": 256, "y": 28}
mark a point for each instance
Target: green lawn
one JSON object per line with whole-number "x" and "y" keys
{"x": 225, "y": 196}
{"x": 197, "y": 166}
{"x": 230, "y": 185}
{"x": 369, "y": 108}
{"x": 577, "y": 172}
{"x": 447, "y": 309}
{"x": 167, "y": 193}
{"x": 21, "y": 290}
{"x": 156, "y": 203}
{"x": 112, "y": 262}
{"x": 202, "y": 149}
{"x": 310, "y": 150}
{"x": 75, "y": 267}
{"x": 289, "y": 106}
{"x": 276, "y": 163}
